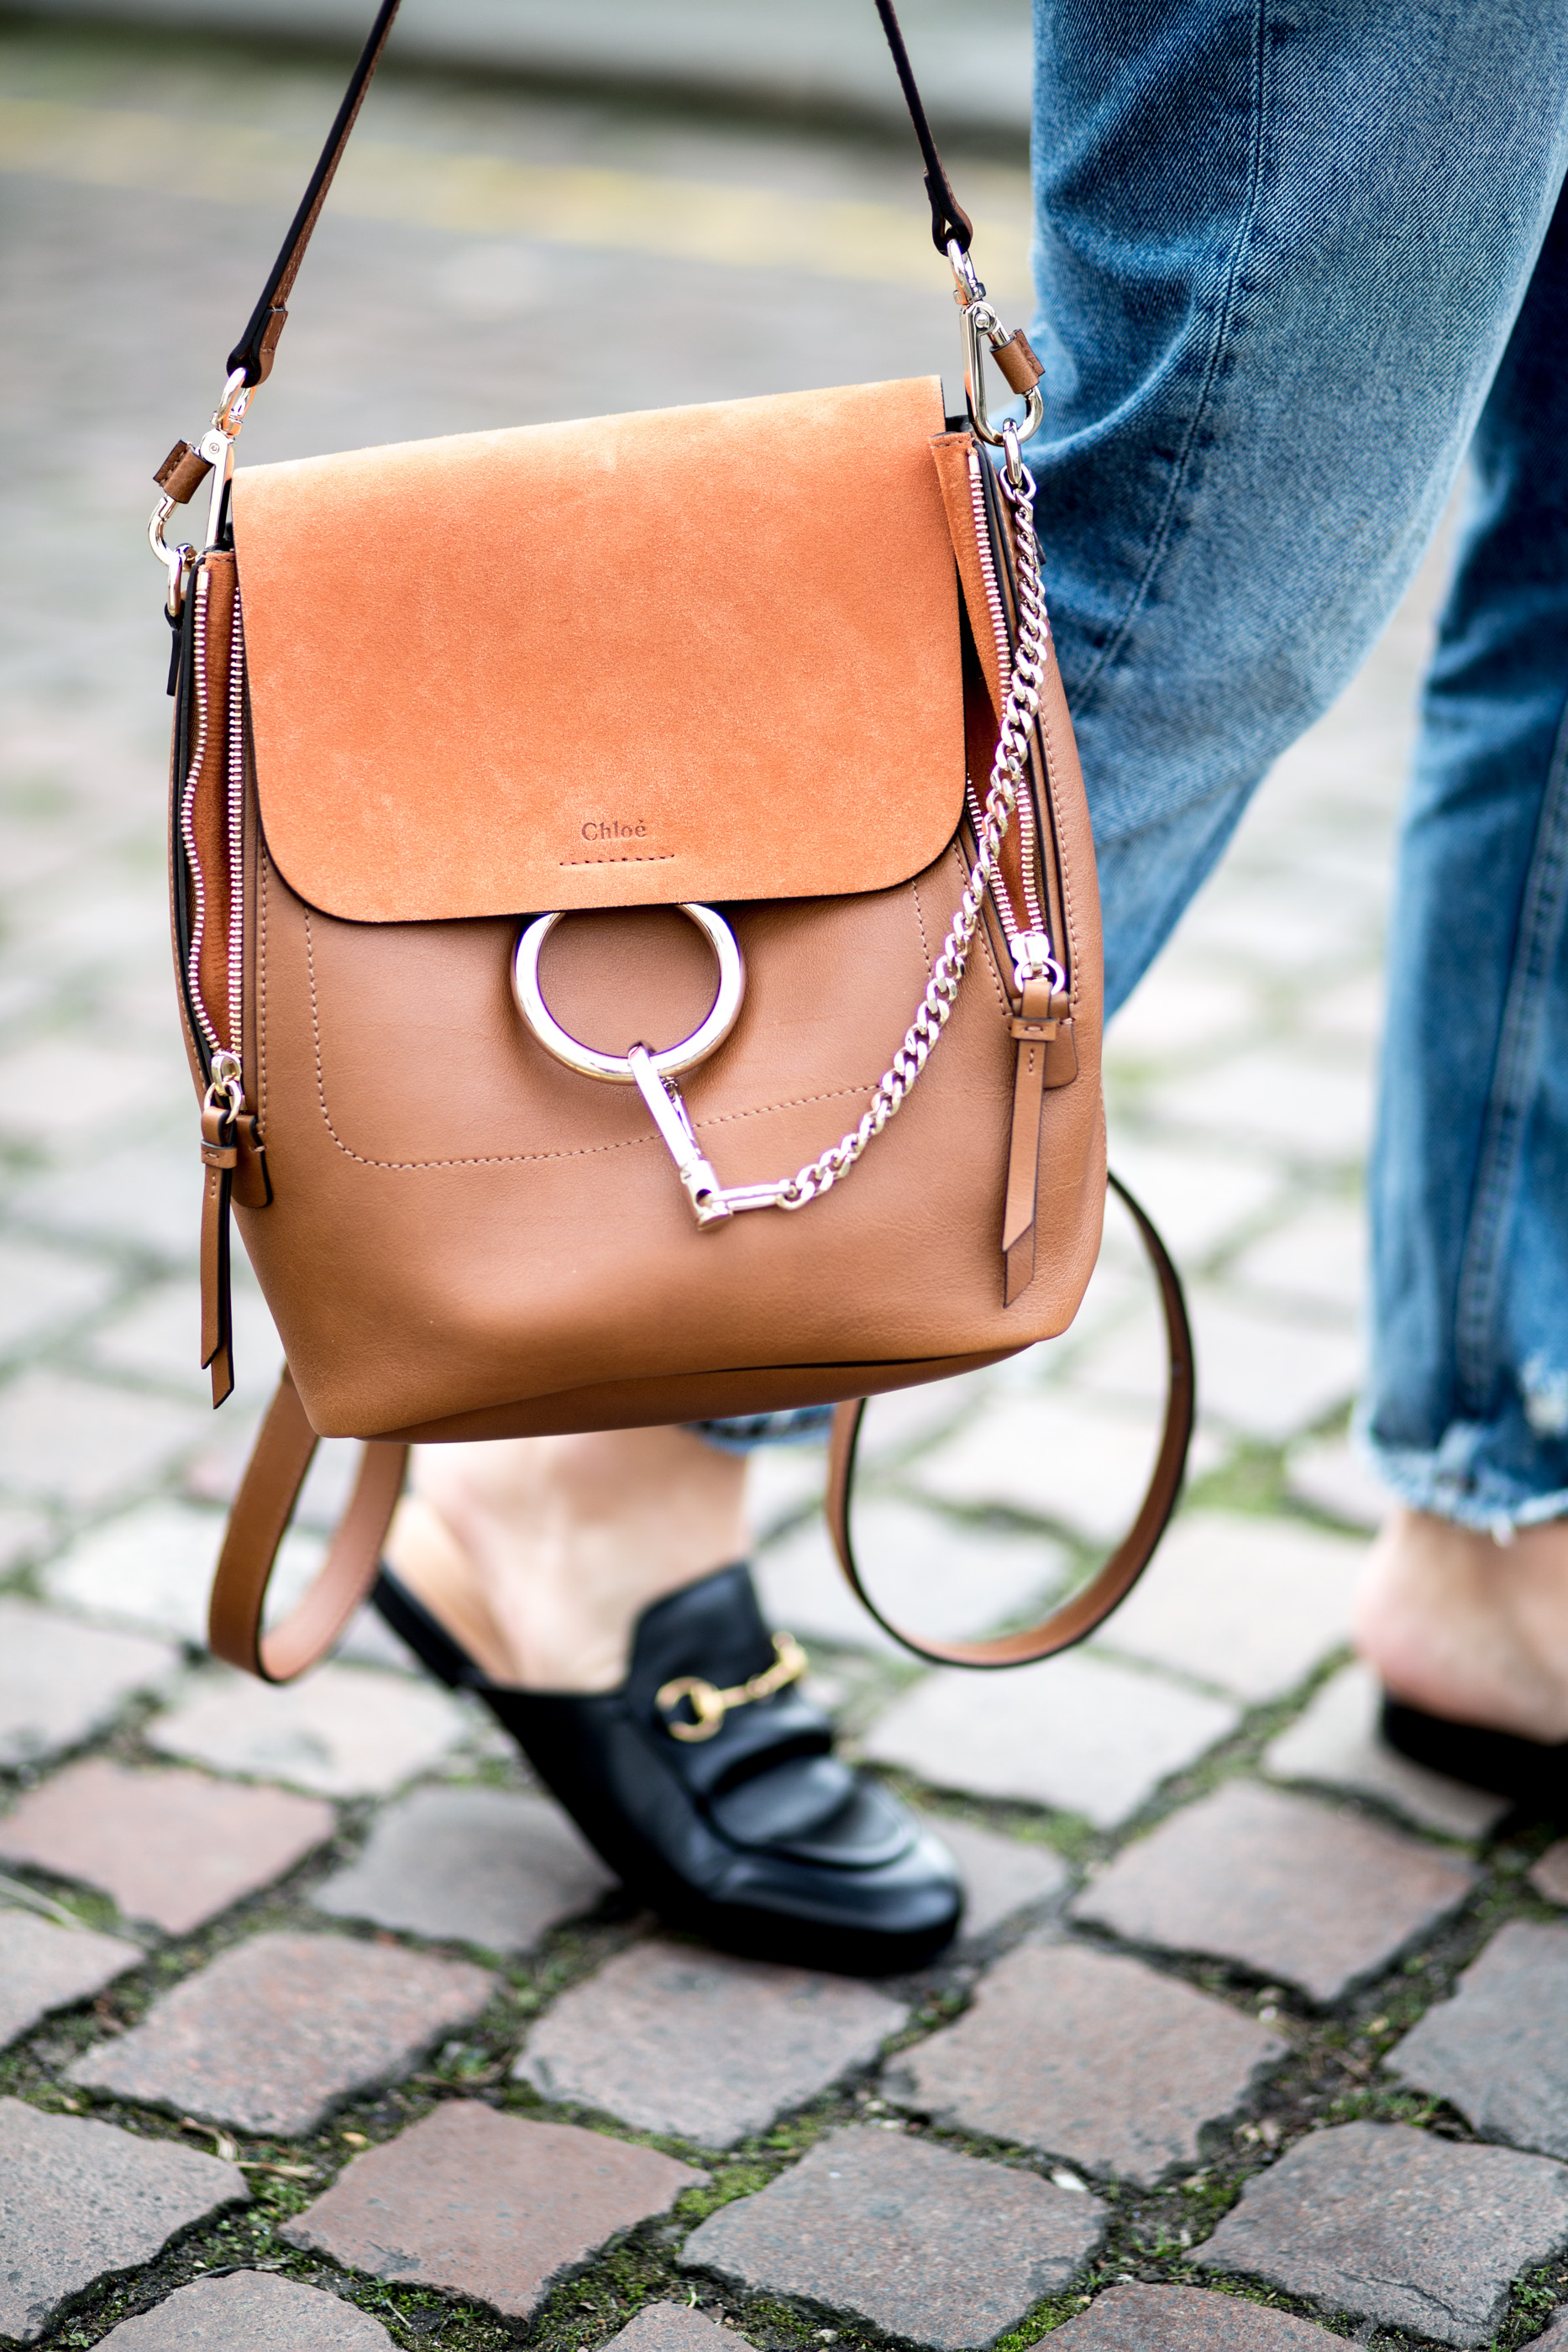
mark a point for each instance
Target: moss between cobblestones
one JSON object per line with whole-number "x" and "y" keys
{"x": 1331, "y": 2077}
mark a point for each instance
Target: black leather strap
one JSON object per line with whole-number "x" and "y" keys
{"x": 950, "y": 223}
{"x": 255, "y": 350}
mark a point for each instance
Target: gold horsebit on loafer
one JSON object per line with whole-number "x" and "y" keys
{"x": 709, "y": 1706}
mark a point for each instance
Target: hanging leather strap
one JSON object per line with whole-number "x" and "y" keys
{"x": 220, "y": 1158}
{"x": 258, "y": 1523}
{"x": 256, "y": 349}
{"x": 1087, "y": 1609}
{"x": 950, "y": 223}
{"x": 1038, "y": 1025}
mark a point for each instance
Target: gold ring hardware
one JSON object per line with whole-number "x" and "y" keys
{"x": 709, "y": 1706}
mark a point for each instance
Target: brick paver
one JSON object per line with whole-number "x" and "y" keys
{"x": 85, "y": 1445}
{"x": 61, "y": 1681}
{"x": 1331, "y": 1474}
{"x": 1265, "y": 1373}
{"x": 344, "y": 1731}
{"x": 249, "y": 2312}
{"x": 280, "y": 2030}
{"x": 671, "y": 2327}
{"x": 700, "y": 2046}
{"x": 470, "y": 1865}
{"x": 938, "y": 1577}
{"x": 1201, "y": 1197}
{"x": 152, "y": 1567}
{"x": 943, "y": 2249}
{"x": 1062, "y": 1460}
{"x": 1280, "y": 1885}
{"x": 1002, "y": 1875}
{"x": 81, "y": 2201}
{"x": 1087, "y": 2055}
{"x": 1395, "y": 2226}
{"x": 171, "y": 1847}
{"x": 1312, "y": 1109}
{"x": 1188, "y": 2319}
{"x": 1248, "y": 1604}
{"x": 40, "y": 1287}
{"x": 1080, "y": 1734}
{"x": 1550, "y": 1875}
{"x": 43, "y": 1968}
{"x": 1499, "y": 2050}
{"x": 1318, "y": 1259}
{"x": 1335, "y": 1743}
{"x": 24, "y": 1533}
{"x": 487, "y": 2205}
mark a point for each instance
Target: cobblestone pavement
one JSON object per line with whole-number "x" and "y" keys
{"x": 321, "y": 2026}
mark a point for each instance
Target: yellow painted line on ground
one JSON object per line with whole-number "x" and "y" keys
{"x": 489, "y": 196}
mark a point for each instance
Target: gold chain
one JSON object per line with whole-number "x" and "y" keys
{"x": 709, "y": 1706}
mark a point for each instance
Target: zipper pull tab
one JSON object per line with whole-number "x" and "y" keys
{"x": 1033, "y": 960}
{"x": 220, "y": 1157}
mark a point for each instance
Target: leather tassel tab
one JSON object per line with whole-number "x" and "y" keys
{"x": 220, "y": 1157}
{"x": 1044, "y": 1037}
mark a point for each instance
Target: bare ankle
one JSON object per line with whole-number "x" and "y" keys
{"x": 572, "y": 1538}
{"x": 1468, "y": 1628}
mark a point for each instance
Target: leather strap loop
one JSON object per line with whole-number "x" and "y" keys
{"x": 1088, "y": 1609}
{"x": 258, "y": 1521}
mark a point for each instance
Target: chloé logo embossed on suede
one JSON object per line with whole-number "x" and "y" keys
{"x": 616, "y": 841}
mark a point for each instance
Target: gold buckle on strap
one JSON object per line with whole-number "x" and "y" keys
{"x": 709, "y": 1706}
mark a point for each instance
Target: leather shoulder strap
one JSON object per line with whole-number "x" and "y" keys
{"x": 253, "y": 354}
{"x": 950, "y": 223}
{"x": 1087, "y": 1609}
{"x": 259, "y": 1522}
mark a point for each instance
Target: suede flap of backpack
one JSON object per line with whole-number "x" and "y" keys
{"x": 699, "y": 652}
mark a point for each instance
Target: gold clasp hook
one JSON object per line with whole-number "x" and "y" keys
{"x": 709, "y": 1706}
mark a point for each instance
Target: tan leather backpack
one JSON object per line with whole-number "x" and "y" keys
{"x": 487, "y": 751}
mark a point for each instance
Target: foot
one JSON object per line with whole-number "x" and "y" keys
{"x": 1468, "y": 1629}
{"x": 541, "y": 1553}
{"x": 707, "y": 1781}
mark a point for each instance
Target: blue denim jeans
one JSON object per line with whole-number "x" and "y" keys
{"x": 1293, "y": 260}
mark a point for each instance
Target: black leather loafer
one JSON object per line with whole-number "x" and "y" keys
{"x": 708, "y": 1783}
{"x": 1532, "y": 1772}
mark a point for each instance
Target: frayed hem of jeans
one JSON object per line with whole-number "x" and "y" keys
{"x": 1485, "y": 1504}
{"x": 806, "y": 1424}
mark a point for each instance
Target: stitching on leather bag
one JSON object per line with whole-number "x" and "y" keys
{"x": 521, "y": 1159}
{"x": 572, "y": 865}
{"x": 920, "y": 919}
{"x": 796, "y": 1102}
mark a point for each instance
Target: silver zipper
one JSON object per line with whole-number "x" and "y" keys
{"x": 1029, "y": 941}
{"x": 234, "y": 781}
{"x": 224, "y": 1065}
{"x": 188, "y": 824}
